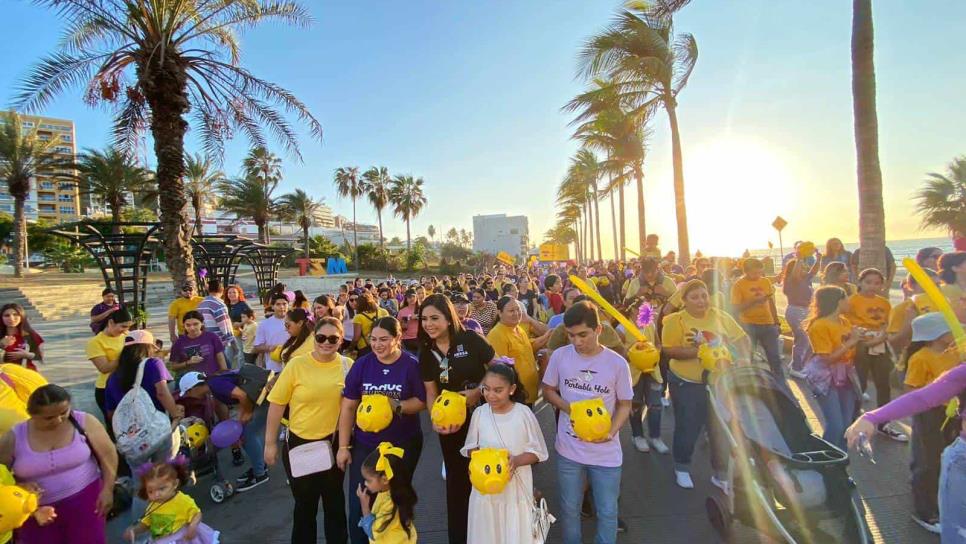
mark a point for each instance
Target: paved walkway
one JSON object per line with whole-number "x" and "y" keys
{"x": 655, "y": 509}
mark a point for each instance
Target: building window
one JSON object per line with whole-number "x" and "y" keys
{"x": 66, "y": 138}
{"x": 65, "y": 198}
{"x": 27, "y": 124}
{"x": 63, "y": 149}
{"x": 67, "y": 209}
{"x": 64, "y": 186}
{"x": 46, "y": 198}
{"x": 48, "y": 185}
{"x": 514, "y": 231}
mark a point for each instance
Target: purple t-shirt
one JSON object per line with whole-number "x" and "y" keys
{"x": 605, "y": 375}
{"x": 98, "y": 310}
{"x": 154, "y": 372}
{"x": 799, "y": 293}
{"x": 207, "y": 345}
{"x": 471, "y": 324}
{"x": 400, "y": 381}
{"x": 222, "y": 385}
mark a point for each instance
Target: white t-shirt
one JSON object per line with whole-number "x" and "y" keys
{"x": 271, "y": 332}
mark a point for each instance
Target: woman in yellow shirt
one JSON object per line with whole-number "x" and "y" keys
{"x": 870, "y": 312}
{"x": 931, "y": 353}
{"x": 830, "y": 373}
{"x": 310, "y": 386}
{"x": 367, "y": 313}
{"x": 682, "y": 335}
{"x": 510, "y": 339}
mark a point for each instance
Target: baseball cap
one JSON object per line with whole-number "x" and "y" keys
{"x": 190, "y": 380}
{"x": 929, "y": 327}
{"x": 139, "y": 336}
{"x": 459, "y": 298}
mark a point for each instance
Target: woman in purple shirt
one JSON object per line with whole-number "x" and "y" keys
{"x": 797, "y": 287}
{"x": 390, "y": 371}
{"x": 198, "y": 349}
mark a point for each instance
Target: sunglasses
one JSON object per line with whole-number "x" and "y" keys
{"x": 353, "y": 299}
{"x": 328, "y": 339}
{"x": 444, "y": 368}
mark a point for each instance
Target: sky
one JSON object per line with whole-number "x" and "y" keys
{"x": 468, "y": 96}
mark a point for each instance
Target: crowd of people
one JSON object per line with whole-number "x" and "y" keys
{"x": 301, "y": 376}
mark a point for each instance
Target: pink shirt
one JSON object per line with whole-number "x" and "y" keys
{"x": 61, "y": 473}
{"x": 410, "y": 326}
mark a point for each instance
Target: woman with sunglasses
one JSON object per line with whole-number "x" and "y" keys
{"x": 310, "y": 386}
{"x": 452, "y": 358}
{"x": 389, "y": 371}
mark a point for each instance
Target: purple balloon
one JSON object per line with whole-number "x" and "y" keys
{"x": 226, "y": 433}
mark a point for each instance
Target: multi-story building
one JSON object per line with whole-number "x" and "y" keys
{"x": 51, "y": 198}
{"x": 498, "y": 232}
{"x": 324, "y": 217}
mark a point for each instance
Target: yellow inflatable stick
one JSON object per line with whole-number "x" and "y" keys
{"x": 590, "y": 419}
{"x": 606, "y": 306}
{"x": 632, "y": 252}
{"x": 16, "y": 386}
{"x": 939, "y": 302}
{"x": 449, "y": 408}
{"x": 374, "y": 413}
{"x": 490, "y": 470}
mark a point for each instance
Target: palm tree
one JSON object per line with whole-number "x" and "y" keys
{"x": 572, "y": 197}
{"x": 301, "y": 208}
{"x": 431, "y": 231}
{"x": 247, "y": 199}
{"x": 22, "y": 156}
{"x": 348, "y": 184}
{"x": 453, "y": 236}
{"x": 942, "y": 199}
{"x": 376, "y": 186}
{"x": 406, "y": 195}
{"x": 871, "y": 210}
{"x": 650, "y": 65}
{"x": 263, "y": 165}
{"x": 200, "y": 179}
{"x": 587, "y": 169}
{"x": 154, "y": 62}
{"x": 111, "y": 175}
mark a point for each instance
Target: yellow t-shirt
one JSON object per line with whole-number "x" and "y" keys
{"x": 952, "y": 292}
{"x": 181, "y": 306}
{"x": 868, "y": 312}
{"x": 634, "y": 285}
{"x": 744, "y": 290}
{"x": 898, "y": 317}
{"x": 382, "y": 510}
{"x": 679, "y": 330}
{"x": 515, "y": 344}
{"x": 826, "y": 335}
{"x": 169, "y": 517}
{"x": 248, "y": 336}
{"x": 365, "y": 321}
{"x": 926, "y": 365}
{"x": 923, "y": 303}
{"x": 105, "y": 346}
{"x": 313, "y": 392}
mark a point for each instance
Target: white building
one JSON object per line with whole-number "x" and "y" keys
{"x": 499, "y": 232}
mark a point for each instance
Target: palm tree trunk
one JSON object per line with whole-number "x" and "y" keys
{"x": 613, "y": 223}
{"x": 20, "y": 235}
{"x": 600, "y": 253}
{"x": 355, "y": 233}
{"x": 382, "y": 239}
{"x": 641, "y": 232}
{"x": 262, "y": 232}
{"x": 164, "y": 88}
{"x": 305, "y": 232}
{"x": 115, "y": 217}
{"x": 196, "y": 202}
{"x": 623, "y": 233}
{"x": 684, "y": 249}
{"x": 871, "y": 212}
{"x": 577, "y": 246}
{"x": 409, "y": 244}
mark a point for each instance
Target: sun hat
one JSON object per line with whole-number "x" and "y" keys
{"x": 139, "y": 336}
{"x": 190, "y": 380}
{"x": 929, "y": 327}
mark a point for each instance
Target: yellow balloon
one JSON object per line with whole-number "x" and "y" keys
{"x": 711, "y": 356}
{"x": 9, "y": 418}
{"x": 490, "y": 470}
{"x": 806, "y": 249}
{"x": 374, "y": 413}
{"x": 644, "y": 356}
{"x": 449, "y": 409}
{"x": 606, "y": 306}
{"x": 197, "y": 434}
{"x": 590, "y": 419}
{"x": 939, "y": 302}
{"x": 16, "y": 505}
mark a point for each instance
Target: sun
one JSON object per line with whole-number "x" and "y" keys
{"x": 734, "y": 189}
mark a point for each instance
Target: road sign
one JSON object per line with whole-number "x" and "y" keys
{"x": 779, "y": 223}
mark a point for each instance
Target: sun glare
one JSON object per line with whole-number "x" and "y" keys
{"x": 735, "y": 188}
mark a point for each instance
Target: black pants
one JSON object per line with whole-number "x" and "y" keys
{"x": 457, "y": 484}
{"x": 880, "y": 366}
{"x": 307, "y": 490}
{"x": 412, "y": 450}
{"x": 929, "y": 439}
{"x": 100, "y": 399}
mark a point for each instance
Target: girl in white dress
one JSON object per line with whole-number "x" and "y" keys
{"x": 505, "y": 422}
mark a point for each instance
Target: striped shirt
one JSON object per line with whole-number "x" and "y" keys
{"x": 216, "y": 316}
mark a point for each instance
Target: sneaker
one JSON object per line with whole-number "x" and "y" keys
{"x": 247, "y": 475}
{"x": 894, "y": 434}
{"x": 931, "y": 525}
{"x": 866, "y": 397}
{"x": 621, "y": 526}
{"x": 252, "y": 483}
{"x": 659, "y": 445}
{"x": 443, "y": 472}
{"x": 641, "y": 444}
{"x": 723, "y": 485}
{"x": 237, "y": 459}
{"x": 665, "y": 401}
{"x": 683, "y": 479}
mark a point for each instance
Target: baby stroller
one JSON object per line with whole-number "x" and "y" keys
{"x": 786, "y": 481}
{"x": 203, "y": 460}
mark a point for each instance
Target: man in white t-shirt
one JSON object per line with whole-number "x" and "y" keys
{"x": 271, "y": 333}
{"x": 585, "y": 370}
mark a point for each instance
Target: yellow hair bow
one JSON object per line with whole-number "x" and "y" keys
{"x": 386, "y": 449}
